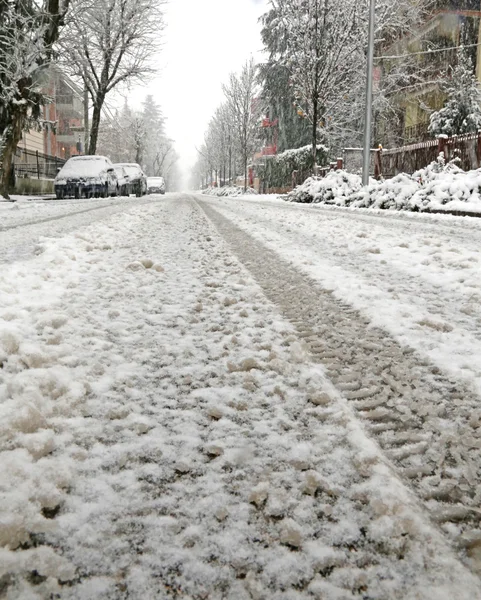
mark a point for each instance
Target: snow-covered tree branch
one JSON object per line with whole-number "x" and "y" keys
{"x": 115, "y": 44}
{"x": 28, "y": 32}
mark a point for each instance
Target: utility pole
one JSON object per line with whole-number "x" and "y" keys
{"x": 86, "y": 117}
{"x": 368, "y": 117}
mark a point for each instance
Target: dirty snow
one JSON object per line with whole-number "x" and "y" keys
{"x": 164, "y": 433}
{"x": 416, "y": 277}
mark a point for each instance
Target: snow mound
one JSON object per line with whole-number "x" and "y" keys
{"x": 229, "y": 191}
{"x": 334, "y": 188}
{"x": 438, "y": 187}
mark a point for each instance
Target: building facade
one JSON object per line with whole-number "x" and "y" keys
{"x": 433, "y": 49}
{"x": 63, "y": 128}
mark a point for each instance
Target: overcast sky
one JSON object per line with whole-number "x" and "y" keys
{"x": 204, "y": 41}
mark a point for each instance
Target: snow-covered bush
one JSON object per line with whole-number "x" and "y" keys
{"x": 451, "y": 190}
{"x": 389, "y": 194}
{"x": 277, "y": 171}
{"x": 436, "y": 169}
{"x": 228, "y": 191}
{"x": 334, "y": 188}
{"x": 439, "y": 186}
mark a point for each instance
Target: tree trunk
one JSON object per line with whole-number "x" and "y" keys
{"x": 94, "y": 129}
{"x": 245, "y": 173}
{"x": 230, "y": 166}
{"x": 11, "y": 141}
{"x": 314, "y": 136}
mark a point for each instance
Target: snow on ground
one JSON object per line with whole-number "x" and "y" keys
{"x": 164, "y": 434}
{"x": 23, "y": 224}
{"x": 232, "y": 190}
{"x": 418, "y": 278}
{"x": 29, "y": 210}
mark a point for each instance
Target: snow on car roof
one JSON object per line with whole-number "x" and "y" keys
{"x": 84, "y": 166}
{"x": 131, "y": 168}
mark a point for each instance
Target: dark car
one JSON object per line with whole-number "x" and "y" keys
{"x": 137, "y": 182}
{"x": 86, "y": 176}
{"x": 155, "y": 185}
{"x": 122, "y": 180}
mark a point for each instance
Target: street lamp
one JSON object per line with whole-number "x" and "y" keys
{"x": 368, "y": 118}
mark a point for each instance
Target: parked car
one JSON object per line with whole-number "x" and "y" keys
{"x": 123, "y": 180}
{"x": 137, "y": 178}
{"x": 86, "y": 176}
{"x": 155, "y": 185}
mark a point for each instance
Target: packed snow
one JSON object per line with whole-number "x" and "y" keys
{"x": 164, "y": 433}
{"x": 229, "y": 190}
{"x": 417, "y": 276}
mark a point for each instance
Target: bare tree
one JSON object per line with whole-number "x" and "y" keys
{"x": 164, "y": 154}
{"x": 111, "y": 42}
{"x": 242, "y": 100}
{"x": 28, "y": 32}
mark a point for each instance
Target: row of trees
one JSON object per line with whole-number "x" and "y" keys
{"x": 131, "y": 135}
{"x": 312, "y": 83}
{"x": 103, "y": 44}
{"x": 231, "y": 136}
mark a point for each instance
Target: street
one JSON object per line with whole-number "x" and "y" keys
{"x": 238, "y": 398}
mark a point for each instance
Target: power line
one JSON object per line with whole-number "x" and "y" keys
{"x": 393, "y": 57}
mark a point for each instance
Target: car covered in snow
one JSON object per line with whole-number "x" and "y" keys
{"x": 86, "y": 176}
{"x": 123, "y": 180}
{"x": 137, "y": 178}
{"x": 155, "y": 185}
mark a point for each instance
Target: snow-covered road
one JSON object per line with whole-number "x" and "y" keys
{"x": 169, "y": 427}
{"x": 22, "y": 224}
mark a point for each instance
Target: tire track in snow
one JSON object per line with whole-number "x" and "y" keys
{"x": 18, "y": 242}
{"x": 64, "y": 216}
{"x": 428, "y": 424}
{"x": 391, "y": 277}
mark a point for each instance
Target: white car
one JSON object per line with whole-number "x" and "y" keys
{"x": 86, "y": 176}
{"x": 137, "y": 179}
{"x": 155, "y": 185}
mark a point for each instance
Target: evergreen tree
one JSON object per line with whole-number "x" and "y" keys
{"x": 153, "y": 125}
{"x": 462, "y": 110}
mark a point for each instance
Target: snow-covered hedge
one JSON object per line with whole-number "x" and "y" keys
{"x": 388, "y": 194}
{"x": 228, "y": 191}
{"x": 334, "y": 188}
{"x": 455, "y": 190}
{"x": 437, "y": 187}
{"x": 277, "y": 171}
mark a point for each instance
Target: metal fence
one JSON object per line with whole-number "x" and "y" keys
{"x": 34, "y": 164}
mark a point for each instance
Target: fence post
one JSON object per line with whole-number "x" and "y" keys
{"x": 478, "y": 149}
{"x": 340, "y": 164}
{"x": 378, "y": 163}
{"x": 442, "y": 145}
{"x": 294, "y": 179}
{"x": 332, "y": 166}
{"x": 38, "y": 164}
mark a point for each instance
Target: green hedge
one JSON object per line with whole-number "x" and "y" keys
{"x": 277, "y": 170}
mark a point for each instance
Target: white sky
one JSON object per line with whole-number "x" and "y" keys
{"x": 204, "y": 41}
